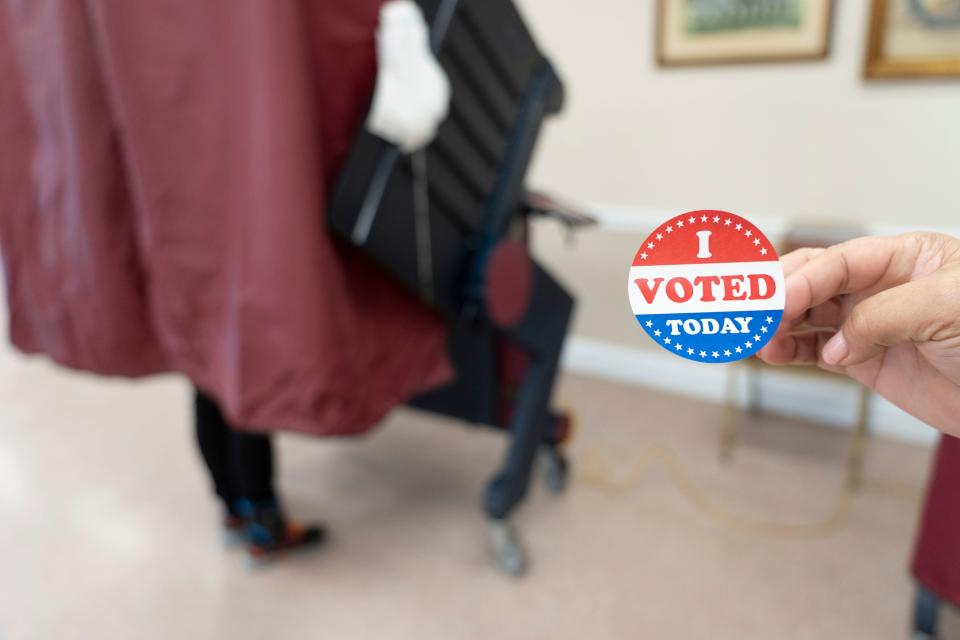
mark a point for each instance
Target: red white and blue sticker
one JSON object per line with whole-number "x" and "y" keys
{"x": 707, "y": 285}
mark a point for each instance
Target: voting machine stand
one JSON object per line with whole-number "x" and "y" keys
{"x": 450, "y": 223}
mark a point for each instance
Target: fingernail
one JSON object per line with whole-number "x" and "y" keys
{"x": 836, "y": 349}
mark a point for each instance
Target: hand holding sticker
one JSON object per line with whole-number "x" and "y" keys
{"x": 883, "y": 311}
{"x": 707, "y": 286}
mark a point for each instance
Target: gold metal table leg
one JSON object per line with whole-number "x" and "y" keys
{"x": 858, "y": 442}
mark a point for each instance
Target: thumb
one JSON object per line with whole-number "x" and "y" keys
{"x": 899, "y": 315}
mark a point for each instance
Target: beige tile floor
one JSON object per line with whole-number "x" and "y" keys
{"x": 108, "y": 530}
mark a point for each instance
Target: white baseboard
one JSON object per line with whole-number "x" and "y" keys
{"x": 819, "y": 400}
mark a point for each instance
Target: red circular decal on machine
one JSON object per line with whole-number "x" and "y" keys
{"x": 509, "y": 283}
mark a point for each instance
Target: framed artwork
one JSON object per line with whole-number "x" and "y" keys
{"x": 696, "y": 32}
{"x": 913, "y": 38}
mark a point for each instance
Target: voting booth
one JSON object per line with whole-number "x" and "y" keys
{"x": 450, "y": 223}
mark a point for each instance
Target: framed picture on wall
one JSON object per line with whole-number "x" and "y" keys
{"x": 913, "y": 38}
{"x": 696, "y": 32}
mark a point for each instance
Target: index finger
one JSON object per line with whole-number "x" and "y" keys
{"x": 856, "y": 265}
{"x": 798, "y": 257}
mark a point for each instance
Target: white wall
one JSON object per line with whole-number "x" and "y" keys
{"x": 792, "y": 139}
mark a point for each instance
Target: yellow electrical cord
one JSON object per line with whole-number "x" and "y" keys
{"x": 593, "y": 471}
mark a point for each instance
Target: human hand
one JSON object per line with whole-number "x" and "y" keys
{"x": 884, "y": 311}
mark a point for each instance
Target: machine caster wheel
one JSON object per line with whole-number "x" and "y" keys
{"x": 507, "y": 551}
{"x": 555, "y": 470}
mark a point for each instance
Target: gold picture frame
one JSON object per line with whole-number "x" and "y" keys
{"x": 676, "y": 46}
{"x": 881, "y": 63}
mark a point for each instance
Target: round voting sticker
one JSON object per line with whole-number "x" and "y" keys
{"x": 707, "y": 285}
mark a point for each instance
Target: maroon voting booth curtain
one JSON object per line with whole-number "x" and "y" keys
{"x": 164, "y": 167}
{"x": 936, "y": 562}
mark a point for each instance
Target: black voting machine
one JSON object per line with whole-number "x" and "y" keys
{"x": 447, "y": 222}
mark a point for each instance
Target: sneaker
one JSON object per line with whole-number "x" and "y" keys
{"x": 295, "y": 537}
{"x": 269, "y": 535}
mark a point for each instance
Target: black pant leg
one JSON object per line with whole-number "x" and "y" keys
{"x": 240, "y": 462}
{"x": 213, "y": 438}
{"x": 251, "y": 458}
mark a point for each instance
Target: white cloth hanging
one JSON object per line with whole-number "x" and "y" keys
{"x": 412, "y": 93}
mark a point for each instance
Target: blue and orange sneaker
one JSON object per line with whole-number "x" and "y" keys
{"x": 269, "y": 535}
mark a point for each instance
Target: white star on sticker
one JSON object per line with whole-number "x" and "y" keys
{"x": 703, "y": 218}
{"x": 748, "y": 344}
{"x": 748, "y": 233}
{"x": 757, "y": 338}
{"x": 669, "y": 229}
{"x": 657, "y": 333}
{"x": 738, "y": 227}
{"x": 691, "y": 219}
{"x": 716, "y": 219}
{"x": 690, "y": 351}
{"x": 649, "y": 323}
{"x": 678, "y": 347}
{"x": 756, "y": 242}
{"x": 649, "y": 245}
{"x": 763, "y": 251}
{"x": 763, "y": 329}
{"x": 666, "y": 340}
{"x": 715, "y": 354}
{"x": 703, "y": 354}
{"x": 726, "y": 352}
{"x": 679, "y": 223}
{"x": 738, "y": 350}
{"x": 726, "y": 222}
{"x": 659, "y": 236}
{"x": 643, "y": 256}
{"x": 769, "y": 319}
